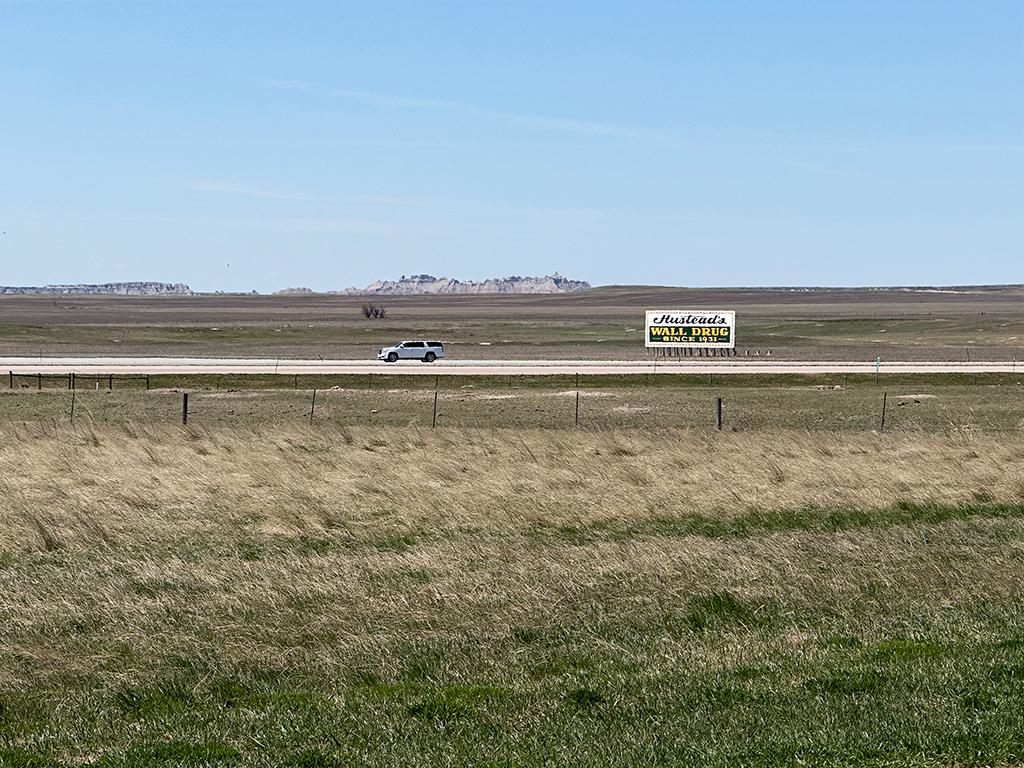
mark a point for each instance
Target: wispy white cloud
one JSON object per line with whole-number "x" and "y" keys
{"x": 545, "y": 122}
{"x": 781, "y": 147}
{"x": 369, "y": 97}
{"x": 327, "y": 226}
{"x": 663, "y": 138}
{"x": 388, "y": 201}
{"x": 240, "y": 189}
{"x": 584, "y": 127}
{"x": 231, "y": 188}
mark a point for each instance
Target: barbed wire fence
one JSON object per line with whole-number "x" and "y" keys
{"x": 841, "y": 402}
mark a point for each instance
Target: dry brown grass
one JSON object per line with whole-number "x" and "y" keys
{"x": 92, "y": 487}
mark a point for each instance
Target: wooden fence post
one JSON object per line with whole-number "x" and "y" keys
{"x": 72, "y": 407}
{"x": 40, "y": 384}
{"x": 577, "y": 423}
{"x": 10, "y": 377}
{"x": 718, "y": 413}
{"x": 312, "y": 408}
{"x": 184, "y": 408}
{"x": 885, "y": 398}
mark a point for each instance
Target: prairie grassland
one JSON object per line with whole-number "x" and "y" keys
{"x": 381, "y": 596}
{"x": 604, "y": 323}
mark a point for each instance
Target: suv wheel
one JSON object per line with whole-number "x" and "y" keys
{"x": 392, "y": 357}
{"x": 429, "y": 357}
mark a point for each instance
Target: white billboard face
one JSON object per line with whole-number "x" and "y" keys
{"x": 691, "y": 329}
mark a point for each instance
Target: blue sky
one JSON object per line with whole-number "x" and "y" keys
{"x": 248, "y": 145}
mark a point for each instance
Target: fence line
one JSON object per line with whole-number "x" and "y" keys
{"x": 73, "y": 379}
{"x": 593, "y": 402}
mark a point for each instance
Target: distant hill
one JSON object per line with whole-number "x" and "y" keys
{"x": 102, "y": 289}
{"x": 428, "y": 284}
{"x": 295, "y": 292}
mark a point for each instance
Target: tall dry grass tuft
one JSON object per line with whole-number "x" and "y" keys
{"x": 775, "y": 472}
{"x": 51, "y": 541}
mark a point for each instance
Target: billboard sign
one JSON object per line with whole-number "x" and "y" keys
{"x": 691, "y": 329}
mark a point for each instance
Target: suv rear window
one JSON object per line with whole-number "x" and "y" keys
{"x": 435, "y": 344}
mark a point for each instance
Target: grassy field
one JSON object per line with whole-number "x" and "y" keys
{"x": 408, "y": 597}
{"x": 603, "y": 323}
{"x": 914, "y": 403}
{"x": 509, "y": 589}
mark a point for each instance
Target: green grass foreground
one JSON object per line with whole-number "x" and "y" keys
{"x": 404, "y": 597}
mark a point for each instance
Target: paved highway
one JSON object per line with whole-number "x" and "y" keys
{"x": 184, "y": 365}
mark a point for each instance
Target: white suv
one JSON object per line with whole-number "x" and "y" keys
{"x": 427, "y": 351}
